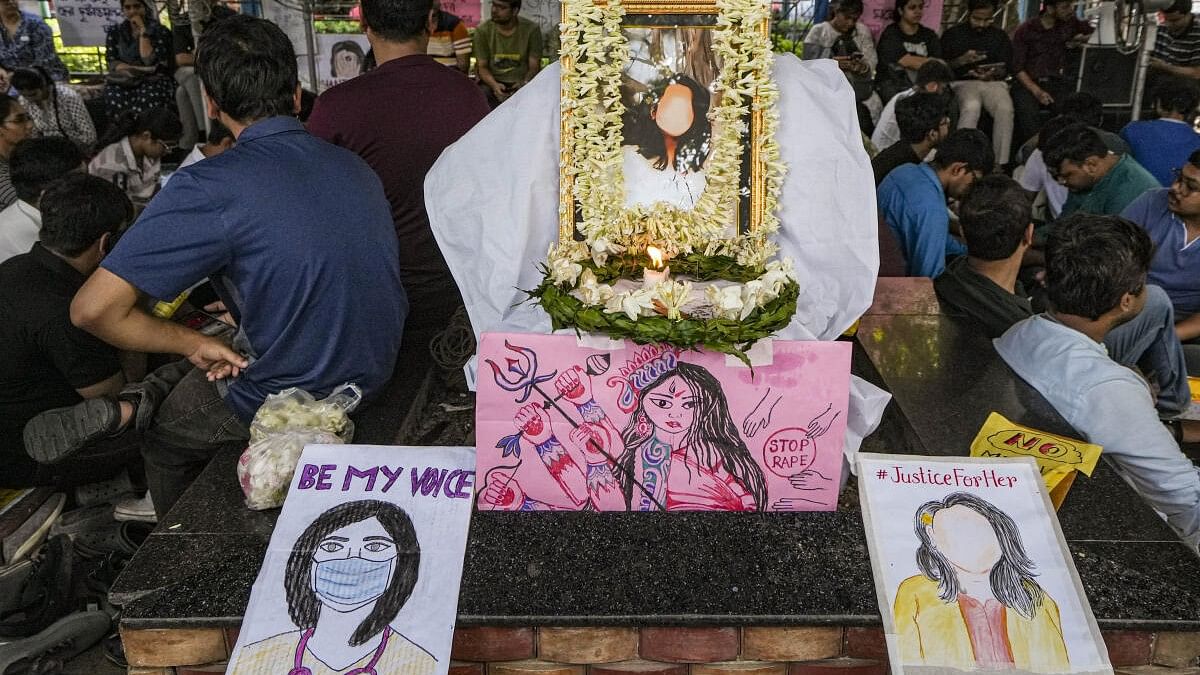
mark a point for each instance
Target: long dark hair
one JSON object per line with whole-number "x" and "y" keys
{"x": 712, "y": 439}
{"x": 1012, "y": 578}
{"x": 638, "y": 128}
{"x": 304, "y": 606}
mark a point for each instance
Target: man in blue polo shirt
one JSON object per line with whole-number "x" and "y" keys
{"x": 912, "y": 200}
{"x": 1171, "y": 216}
{"x": 296, "y": 235}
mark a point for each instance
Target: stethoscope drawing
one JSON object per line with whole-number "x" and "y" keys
{"x": 298, "y": 667}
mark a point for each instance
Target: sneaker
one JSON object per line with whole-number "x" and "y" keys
{"x": 136, "y": 508}
{"x": 113, "y": 489}
{"x": 59, "y": 433}
{"x": 121, "y": 538}
{"x": 85, "y": 519}
{"x": 63, "y": 640}
{"x": 46, "y": 594}
{"x": 12, "y": 581}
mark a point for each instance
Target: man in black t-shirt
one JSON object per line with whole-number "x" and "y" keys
{"x": 48, "y": 362}
{"x": 981, "y": 56}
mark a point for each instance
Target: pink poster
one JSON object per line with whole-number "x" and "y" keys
{"x": 561, "y": 426}
{"x": 877, "y": 14}
{"x": 469, "y": 11}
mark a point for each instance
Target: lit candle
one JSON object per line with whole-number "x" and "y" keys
{"x": 657, "y": 273}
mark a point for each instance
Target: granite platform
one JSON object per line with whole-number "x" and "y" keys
{"x": 713, "y": 569}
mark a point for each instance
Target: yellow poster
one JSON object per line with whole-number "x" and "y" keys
{"x": 1057, "y": 457}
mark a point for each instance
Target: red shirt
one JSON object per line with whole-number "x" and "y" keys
{"x": 988, "y": 630}
{"x": 399, "y": 117}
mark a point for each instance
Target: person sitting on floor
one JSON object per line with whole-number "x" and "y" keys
{"x": 981, "y": 56}
{"x": 56, "y": 108}
{"x": 133, "y": 152}
{"x": 983, "y": 287}
{"x": 847, "y": 40}
{"x": 47, "y": 361}
{"x": 1163, "y": 145}
{"x": 934, "y": 78}
{"x": 36, "y": 163}
{"x": 903, "y": 48}
{"x": 924, "y": 122}
{"x": 1177, "y": 46}
{"x": 140, "y": 58}
{"x": 219, "y": 139}
{"x": 1096, "y": 270}
{"x": 1171, "y": 216}
{"x": 912, "y": 200}
{"x": 15, "y": 126}
{"x": 1100, "y": 181}
{"x": 297, "y": 236}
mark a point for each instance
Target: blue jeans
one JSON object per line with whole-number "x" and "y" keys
{"x": 1149, "y": 343}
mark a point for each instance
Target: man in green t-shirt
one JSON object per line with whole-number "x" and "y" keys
{"x": 1100, "y": 182}
{"x": 508, "y": 50}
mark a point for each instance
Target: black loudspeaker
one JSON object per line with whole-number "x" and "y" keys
{"x": 1107, "y": 74}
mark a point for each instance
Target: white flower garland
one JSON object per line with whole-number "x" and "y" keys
{"x": 595, "y": 51}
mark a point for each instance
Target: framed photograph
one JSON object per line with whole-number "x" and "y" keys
{"x": 668, "y": 131}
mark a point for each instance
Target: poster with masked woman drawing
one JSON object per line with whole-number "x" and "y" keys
{"x": 563, "y": 426}
{"x": 971, "y": 568}
{"x": 362, "y": 572}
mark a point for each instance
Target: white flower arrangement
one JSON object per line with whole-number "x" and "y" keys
{"x": 594, "y": 50}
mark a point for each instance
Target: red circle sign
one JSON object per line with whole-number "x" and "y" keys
{"x": 789, "y": 451}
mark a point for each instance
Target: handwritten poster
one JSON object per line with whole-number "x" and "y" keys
{"x": 291, "y": 20}
{"x": 971, "y": 569}
{"x": 877, "y": 14}
{"x": 560, "y": 426}
{"x": 1058, "y": 458}
{"x": 340, "y": 57}
{"x": 82, "y": 22}
{"x": 470, "y": 11}
{"x": 363, "y": 569}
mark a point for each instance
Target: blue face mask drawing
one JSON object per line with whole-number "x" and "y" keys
{"x": 351, "y": 581}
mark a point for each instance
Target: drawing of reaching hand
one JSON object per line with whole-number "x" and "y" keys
{"x": 821, "y": 423}
{"x": 594, "y": 441}
{"x": 808, "y": 479}
{"x": 760, "y": 417}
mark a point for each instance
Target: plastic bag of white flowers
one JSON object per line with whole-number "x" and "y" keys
{"x": 285, "y": 423}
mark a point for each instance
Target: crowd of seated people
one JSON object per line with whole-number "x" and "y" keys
{"x": 1072, "y": 246}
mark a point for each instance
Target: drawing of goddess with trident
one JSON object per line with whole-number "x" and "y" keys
{"x": 679, "y": 450}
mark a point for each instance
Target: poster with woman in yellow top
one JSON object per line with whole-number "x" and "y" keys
{"x": 971, "y": 569}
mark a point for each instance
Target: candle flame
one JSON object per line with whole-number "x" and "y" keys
{"x": 656, "y": 257}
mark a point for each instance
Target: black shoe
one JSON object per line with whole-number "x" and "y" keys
{"x": 59, "y": 433}
{"x": 47, "y": 651}
{"x": 47, "y": 592}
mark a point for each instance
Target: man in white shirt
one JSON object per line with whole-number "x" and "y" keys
{"x": 219, "y": 140}
{"x": 1096, "y": 269}
{"x": 36, "y": 163}
{"x": 933, "y": 77}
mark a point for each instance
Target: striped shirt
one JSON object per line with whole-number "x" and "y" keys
{"x": 1182, "y": 49}
{"x": 8, "y": 194}
{"x": 449, "y": 41}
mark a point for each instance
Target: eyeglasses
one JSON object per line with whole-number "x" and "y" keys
{"x": 19, "y": 119}
{"x": 1186, "y": 185}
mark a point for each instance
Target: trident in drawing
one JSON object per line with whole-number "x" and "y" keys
{"x": 520, "y": 376}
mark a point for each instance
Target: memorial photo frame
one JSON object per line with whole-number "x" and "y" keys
{"x": 668, "y": 58}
